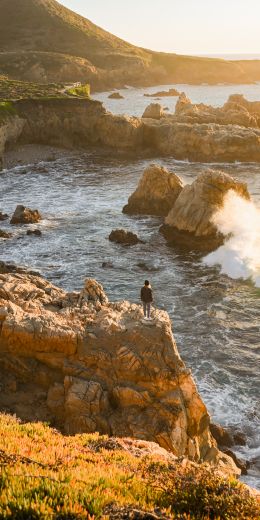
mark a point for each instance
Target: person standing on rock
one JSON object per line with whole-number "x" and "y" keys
{"x": 147, "y": 299}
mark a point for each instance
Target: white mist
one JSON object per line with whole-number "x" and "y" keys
{"x": 239, "y": 257}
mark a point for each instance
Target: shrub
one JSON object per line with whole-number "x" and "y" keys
{"x": 199, "y": 493}
{"x": 79, "y": 91}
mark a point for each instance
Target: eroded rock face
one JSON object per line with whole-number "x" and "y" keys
{"x": 23, "y": 215}
{"x": 156, "y": 192}
{"x": 94, "y": 366}
{"x": 153, "y": 111}
{"x": 190, "y": 219}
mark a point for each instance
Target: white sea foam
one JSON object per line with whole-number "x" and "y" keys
{"x": 239, "y": 257}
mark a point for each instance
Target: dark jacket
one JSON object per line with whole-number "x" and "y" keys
{"x": 146, "y": 294}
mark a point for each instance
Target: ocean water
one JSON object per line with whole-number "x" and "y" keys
{"x": 134, "y": 102}
{"x": 215, "y": 317}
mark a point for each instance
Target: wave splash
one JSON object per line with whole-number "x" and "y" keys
{"x": 239, "y": 257}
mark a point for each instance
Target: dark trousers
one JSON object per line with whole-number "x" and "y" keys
{"x": 147, "y": 309}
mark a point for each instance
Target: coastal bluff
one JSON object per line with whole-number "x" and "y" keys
{"x": 194, "y": 132}
{"x": 86, "y": 365}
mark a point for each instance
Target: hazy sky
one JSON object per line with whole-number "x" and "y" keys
{"x": 182, "y": 26}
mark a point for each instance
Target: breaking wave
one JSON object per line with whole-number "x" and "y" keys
{"x": 239, "y": 257}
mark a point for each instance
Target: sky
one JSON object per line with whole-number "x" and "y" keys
{"x": 181, "y": 26}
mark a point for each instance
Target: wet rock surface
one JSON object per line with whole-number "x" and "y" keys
{"x": 23, "y": 215}
{"x": 121, "y": 236}
{"x": 192, "y": 213}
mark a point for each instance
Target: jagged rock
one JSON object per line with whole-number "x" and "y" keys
{"x": 23, "y": 215}
{"x": 190, "y": 220}
{"x": 183, "y": 103}
{"x": 226, "y": 437}
{"x": 3, "y": 216}
{"x": 35, "y": 232}
{"x": 100, "y": 369}
{"x": 156, "y": 193}
{"x": 153, "y": 111}
{"x": 5, "y": 234}
{"x": 116, "y": 95}
{"x": 120, "y": 236}
{"x": 93, "y": 292}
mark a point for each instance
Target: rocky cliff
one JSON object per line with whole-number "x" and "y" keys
{"x": 80, "y": 122}
{"x": 90, "y": 365}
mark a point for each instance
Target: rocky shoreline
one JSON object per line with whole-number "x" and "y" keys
{"x": 93, "y": 366}
{"x": 194, "y": 132}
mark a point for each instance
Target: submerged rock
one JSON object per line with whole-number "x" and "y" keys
{"x": 35, "y": 232}
{"x": 120, "y": 236}
{"x": 3, "y": 216}
{"x": 5, "y": 234}
{"x": 156, "y": 192}
{"x": 23, "y": 215}
{"x": 100, "y": 369}
{"x": 190, "y": 220}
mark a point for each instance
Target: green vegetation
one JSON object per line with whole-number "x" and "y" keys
{"x": 79, "y": 91}
{"x": 15, "y": 90}
{"x": 6, "y": 109}
{"x": 47, "y": 475}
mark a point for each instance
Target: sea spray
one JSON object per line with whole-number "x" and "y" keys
{"x": 239, "y": 257}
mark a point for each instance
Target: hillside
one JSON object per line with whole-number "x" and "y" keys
{"x": 47, "y": 42}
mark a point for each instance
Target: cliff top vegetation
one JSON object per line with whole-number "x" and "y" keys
{"x": 15, "y": 90}
{"x": 47, "y": 475}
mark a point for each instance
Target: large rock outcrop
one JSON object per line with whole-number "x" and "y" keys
{"x": 195, "y": 132}
{"x": 236, "y": 111}
{"x": 156, "y": 192}
{"x": 89, "y": 365}
{"x": 190, "y": 220}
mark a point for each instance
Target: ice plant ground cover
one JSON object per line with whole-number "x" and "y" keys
{"x": 44, "y": 474}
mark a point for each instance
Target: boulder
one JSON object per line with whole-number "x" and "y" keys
{"x": 23, "y": 215}
{"x": 120, "y": 236}
{"x": 34, "y": 232}
{"x": 3, "y": 216}
{"x": 190, "y": 219}
{"x": 116, "y": 95}
{"x": 4, "y": 234}
{"x": 156, "y": 192}
{"x": 153, "y": 111}
{"x": 99, "y": 368}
